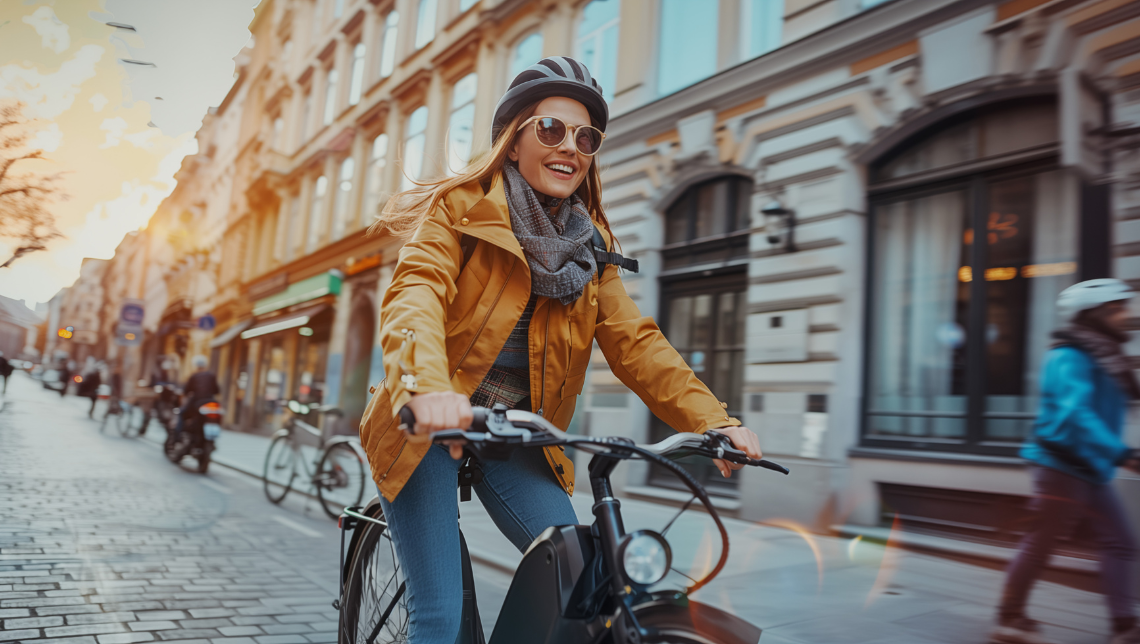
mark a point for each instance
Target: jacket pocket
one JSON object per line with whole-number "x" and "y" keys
{"x": 580, "y": 334}
{"x": 379, "y": 428}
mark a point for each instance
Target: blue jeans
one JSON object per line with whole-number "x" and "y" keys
{"x": 1060, "y": 502}
{"x": 521, "y": 495}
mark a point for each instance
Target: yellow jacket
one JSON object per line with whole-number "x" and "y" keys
{"x": 462, "y": 319}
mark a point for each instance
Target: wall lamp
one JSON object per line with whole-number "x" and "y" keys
{"x": 780, "y": 222}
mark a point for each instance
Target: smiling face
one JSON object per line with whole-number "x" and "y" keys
{"x": 555, "y": 172}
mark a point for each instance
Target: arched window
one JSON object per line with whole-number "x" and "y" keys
{"x": 343, "y": 196}
{"x": 597, "y": 42}
{"x": 425, "y": 22}
{"x": 527, "y": 52}
{"x": 356, "y": 83}
{"x": 377, "y": 162}
{"x": 330, "y": 96}
{"x": 415, "y": 137}
{"x": 387, "y": 46}
{"x": 461, "y": 124}
{"x": 974, "y": 231}
{"x": 317, "y": 213}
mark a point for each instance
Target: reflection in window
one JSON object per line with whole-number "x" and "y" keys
{"x": 330, "y": 96}
{"x": 343, "y": 197}
{"x": 377, "y": 161}
{"x": 527, "y": 53}
{"x": 356, "y": 83}
{"x": 598, "y": 41}
{"x": 461, "y": 125}
{"x": 316, "y": 213}
{"x": 687, "y": 46}
{"x": 414, "y": 139}
{"x": 387, "y": 46}
{"x": 425, "y": 22}
{"x": 760, "y": 22}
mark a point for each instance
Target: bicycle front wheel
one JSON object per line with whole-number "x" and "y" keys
{"x": 374, "y": 606}
{"x": 340, "y": 479}
{"x": 280, "y": 469}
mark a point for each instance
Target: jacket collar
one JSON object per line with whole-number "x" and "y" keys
{"x": 489, "y": 219}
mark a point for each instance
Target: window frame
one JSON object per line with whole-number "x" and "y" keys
{"x": 974, "y": 178}
{"x": 388, "y": 52}
{"x": 597, "y": 35}
{"x": 356, "y": 71}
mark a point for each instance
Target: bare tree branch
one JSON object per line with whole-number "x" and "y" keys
{"x": 25, "y": 196}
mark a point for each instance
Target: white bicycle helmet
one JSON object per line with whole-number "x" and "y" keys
{"x": 1091, "y": 294}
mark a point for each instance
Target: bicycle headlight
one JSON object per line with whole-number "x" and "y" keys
{"x": 645, "y": 556}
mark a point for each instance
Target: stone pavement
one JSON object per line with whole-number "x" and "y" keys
{"x": 144, "y": 553}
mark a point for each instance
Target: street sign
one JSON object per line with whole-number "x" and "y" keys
{"x": 132, "y": 313}
{"x": 207, "y": 322}
{"x": 129, "y": 330}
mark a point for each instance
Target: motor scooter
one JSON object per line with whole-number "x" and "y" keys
{"x": 198, "y": 435}
{"x": 576, "y": 584}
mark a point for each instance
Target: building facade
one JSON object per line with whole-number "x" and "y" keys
{"x": 852, "y": 218}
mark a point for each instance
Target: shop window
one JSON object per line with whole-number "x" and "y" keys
{"x": 330, "y": 96}
{"x": 597, "y": 42}
{"x": 356, "y": 83}
{"x": 703, "y": 319}
{"x": 377, "y": 162}
{"x": 965, "y": 274}
{"x": 316, "y": 213}
{"x": 309, "y": 374}
{"x": 425, "y": 22}
{"x": 527, "y": 52}
{"x": 415, "y": 137}
{"x": 461, "y": 124}
{"x": 687, "y": 45}
{"x": 272, "y": 389}
{"x": 761, "y": 23}
{"x": 343, "y": 196}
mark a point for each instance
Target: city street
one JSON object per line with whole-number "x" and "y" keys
{"x": 102, "y": 540}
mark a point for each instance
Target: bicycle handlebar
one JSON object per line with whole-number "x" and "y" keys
{"x": 521, "y": 426}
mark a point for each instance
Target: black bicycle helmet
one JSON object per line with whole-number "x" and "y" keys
{"x": 554, "y": 76}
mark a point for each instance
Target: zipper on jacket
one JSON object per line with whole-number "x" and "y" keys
{"x": 393, "y": 463}
{"x": 490, "y": 310}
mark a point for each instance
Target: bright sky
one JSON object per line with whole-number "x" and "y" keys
{"x": 95, "y": 113}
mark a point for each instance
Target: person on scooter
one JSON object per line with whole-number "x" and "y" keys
{"x": 201, "y": 387}
{"x": 1074, "y": 449}
{"x": 498, "y": 298}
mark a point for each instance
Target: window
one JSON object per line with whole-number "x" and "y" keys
{"x": 425, "y": 22}
{"x": 464, "y": 5}
{"x": 688, "y": 44}
{"x": 761, "y": 22}
{"x": 414, "y": 139}
{"x": 704, "y": 320}
{"x": 343, "y": 197}
{"x": 316, "y": 213}
{"x": 278, "y": 142}
{"x": 281, "y": 231}
{"x": 295, "y": 234}
{"x": 527, "y": 53}
{"x": 461, "y": 125}
{"x": 377, "y": 162}
{"x": 318, "y": 12}
{"x": 338, "y": 8}
{"x": 306, "y": 116}
{"x": 387, "y": 46}
{"x": 330, "y": 96}
{"x": 712, "y": 208}
{"x": 356, "y": 83}
{"x": 960, "y": 319}
{"x": 287, "y": 54}
{"x": 597, "y": 44}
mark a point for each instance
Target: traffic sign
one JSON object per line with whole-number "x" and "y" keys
{"x": 207, "y": 322}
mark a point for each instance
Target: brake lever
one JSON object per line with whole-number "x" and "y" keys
{"x": 724, "y": 448}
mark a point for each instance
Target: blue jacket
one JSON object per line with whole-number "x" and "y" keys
{"x": 1080, "y": 422}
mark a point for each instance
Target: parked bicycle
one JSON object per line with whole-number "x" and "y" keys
{"x": 337, "y": 471}
{"x": 576, "y": 584}
{"x": 120, "y": 415}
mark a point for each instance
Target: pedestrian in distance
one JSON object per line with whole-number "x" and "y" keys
{"x": 64, "y": 378}
{"x": 5, "y": 371}
{"x": 1074, "y": 450}
{"x": 541, "y": 255}
{"x": 89, "y": 387}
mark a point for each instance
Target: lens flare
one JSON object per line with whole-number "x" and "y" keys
{"x": 808, "y": 538}
{"x": 888, "y": 566}
{"x": 851, "y": 547}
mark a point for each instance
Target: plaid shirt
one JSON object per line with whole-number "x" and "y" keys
{"x": 508, "y": 381}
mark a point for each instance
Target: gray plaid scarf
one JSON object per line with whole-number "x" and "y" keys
{"x": 1106, "y": 347}
{"x": 558, "y": 249}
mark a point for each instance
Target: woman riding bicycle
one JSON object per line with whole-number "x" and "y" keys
{"x": 497, "y": 298}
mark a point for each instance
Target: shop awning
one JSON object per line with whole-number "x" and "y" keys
{"x": 229, "y": 334}
{"x": 291, "y": 321}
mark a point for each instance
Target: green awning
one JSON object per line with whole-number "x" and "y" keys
{"x": 298, "y": 292}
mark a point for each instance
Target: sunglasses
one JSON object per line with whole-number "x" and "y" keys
{"x": 552, "y": 131}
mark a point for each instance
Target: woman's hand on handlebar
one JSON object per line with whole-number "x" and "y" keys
{"x": 743, "y": 439}
{"x": 439, "y": 410}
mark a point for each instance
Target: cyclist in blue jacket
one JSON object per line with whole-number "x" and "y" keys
{"x": 1076, "y": 445}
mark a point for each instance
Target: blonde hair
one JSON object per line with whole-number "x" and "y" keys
{"x": 406, "y": 211}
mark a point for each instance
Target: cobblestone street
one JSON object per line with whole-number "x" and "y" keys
{"x": 102, "y": 540}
